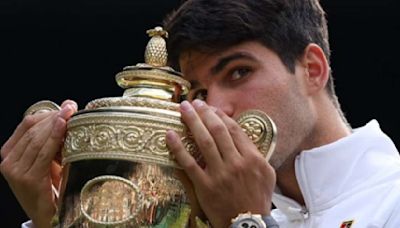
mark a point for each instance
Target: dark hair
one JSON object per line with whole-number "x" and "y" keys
{"x": 284, "y": 26}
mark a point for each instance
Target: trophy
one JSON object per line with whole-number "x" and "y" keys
{"x": 117, "y": 169}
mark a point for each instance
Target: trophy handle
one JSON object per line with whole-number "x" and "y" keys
{"x": 258, "y": 126}
{"x": 42, "y": 106}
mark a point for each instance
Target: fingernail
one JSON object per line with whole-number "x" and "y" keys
{"x": 74, "y": 105}
{"x": 186, "y": 106}
{"x": 171, "y": 138}
{"x": 70, "y": 102}
{"x": 198, "y": 103}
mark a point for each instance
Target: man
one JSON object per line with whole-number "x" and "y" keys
{"x": 274, "y": 56}
{"x": 271, "y": 55}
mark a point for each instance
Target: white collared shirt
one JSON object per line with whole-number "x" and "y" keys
{"x": 355, "y": 180}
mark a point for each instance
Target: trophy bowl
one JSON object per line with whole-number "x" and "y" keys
{"x": 117, "y": 169}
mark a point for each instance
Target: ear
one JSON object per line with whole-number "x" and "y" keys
{"x": 316, "y": 68}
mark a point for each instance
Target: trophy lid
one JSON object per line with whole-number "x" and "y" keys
{"x": 149, "y": 84}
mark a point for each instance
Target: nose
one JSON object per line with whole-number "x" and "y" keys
{"x": 221, "y": 100}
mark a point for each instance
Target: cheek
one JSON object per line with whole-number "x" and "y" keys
{"x": 276, "y": 100}
{"x": 264, "y": 95}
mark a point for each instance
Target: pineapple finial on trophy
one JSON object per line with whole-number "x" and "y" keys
{"x": 153, "y": 78}
{"x": 156, "y": 49}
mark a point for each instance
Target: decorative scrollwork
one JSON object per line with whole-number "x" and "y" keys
{"x": 130, "y": 138}
{"x": 113, "y": 135}
{"x": 135, "y": 138}
{"x": 157, "y": 144}
{"x": 103, "y": 137}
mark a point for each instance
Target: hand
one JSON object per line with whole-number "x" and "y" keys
{"x": 28, "y": 161}
{"x": 236, "y": 177}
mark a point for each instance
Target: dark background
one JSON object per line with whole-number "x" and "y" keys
{"x": 73, "y": 49}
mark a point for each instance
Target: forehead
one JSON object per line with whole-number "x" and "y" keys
{"x": 191, "y": 62}
{"x": 194, "y": 64}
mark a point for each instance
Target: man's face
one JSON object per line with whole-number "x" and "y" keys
{"x": 251, "y": 76}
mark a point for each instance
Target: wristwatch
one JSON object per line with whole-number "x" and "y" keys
{"x": 248, "y": 220}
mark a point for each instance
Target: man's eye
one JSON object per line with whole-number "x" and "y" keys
{"x": 200, "y": 94}
{"x": 239, "y": 73}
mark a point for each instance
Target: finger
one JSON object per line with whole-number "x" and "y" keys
{"x": 31, "y": 135}
{"x": 202, "y": 137}
{"x": 68, "y": 108}
{"x": 218, "y": 130}
{"x": 21, "y": 129}
{"x": 242, "y": 142}
{"x": 42, "y": 163}
{"x": 70, "y": 102}
{"x": 67, "y": 111}
{"x": 183, "y": 157}
{"x": 56, "y": 174}
{"x": 36, "y": 143}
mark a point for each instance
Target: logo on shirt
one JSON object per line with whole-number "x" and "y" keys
{"x": 347, "y": 224}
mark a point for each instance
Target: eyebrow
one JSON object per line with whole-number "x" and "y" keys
{"x": 224, "y": 61}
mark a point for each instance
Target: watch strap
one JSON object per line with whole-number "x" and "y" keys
{"x": 256, "y": 220}
{"x": 270, "y": 221}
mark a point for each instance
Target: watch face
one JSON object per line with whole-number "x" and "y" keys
{"x": 249, "y": 223}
